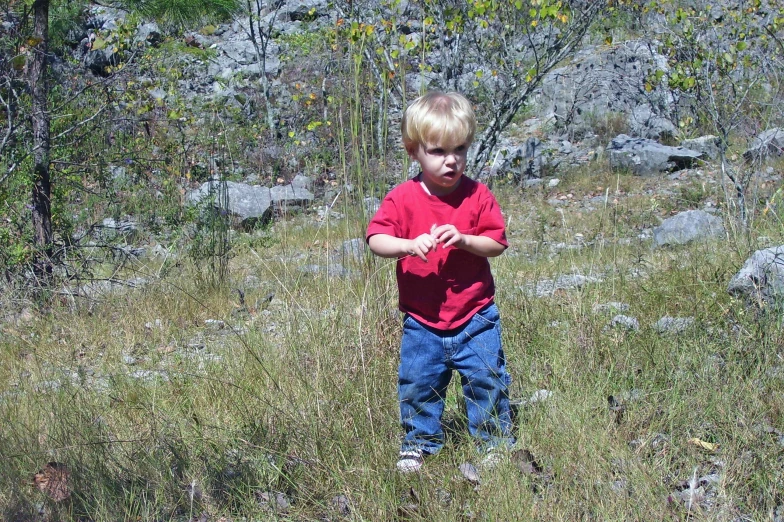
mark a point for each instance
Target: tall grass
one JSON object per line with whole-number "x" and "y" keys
{"x": 272, "y": 394}
{"x": 161, "y": 416}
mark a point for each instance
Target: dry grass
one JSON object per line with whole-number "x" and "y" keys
{"x": 159, "y": 414}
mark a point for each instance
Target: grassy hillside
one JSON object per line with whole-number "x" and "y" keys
{"x": 179, "y": 401}
{"x": 250, "y": 374}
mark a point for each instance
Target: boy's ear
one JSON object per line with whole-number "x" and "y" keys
{"x": 412, "y": 150}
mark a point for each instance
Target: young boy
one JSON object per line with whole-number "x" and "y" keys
{"x": 442, "y": 226}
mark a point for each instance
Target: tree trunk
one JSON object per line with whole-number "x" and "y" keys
{"x": 39, "y": 85}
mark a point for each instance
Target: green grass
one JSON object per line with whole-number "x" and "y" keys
{"x": 145, "y": 403}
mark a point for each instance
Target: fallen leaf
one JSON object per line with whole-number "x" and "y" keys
{"x": 710, "y": 446}
{"x": 469, "y": 472}
{"x": 342, "y": 505}
{"x": 525, "y": 462}
{"x": 616, "y": 408}
{"x": 274, "y": 501}
{"x": 408, "y": 511}
{"x": 53, "y": 481}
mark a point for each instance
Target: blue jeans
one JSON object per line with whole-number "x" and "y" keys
{"x": 427, "y": 358}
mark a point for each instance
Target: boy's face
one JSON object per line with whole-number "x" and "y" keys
{"x": 442, "y": 166}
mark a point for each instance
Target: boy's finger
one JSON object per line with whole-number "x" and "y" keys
{"x": 451, "y": 241}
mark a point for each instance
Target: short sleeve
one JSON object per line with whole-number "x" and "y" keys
{"x": 386, "y": 220}
{"x": 491, "y": 221}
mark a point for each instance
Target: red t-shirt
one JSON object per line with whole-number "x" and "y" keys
{"x": 454, "y": 284}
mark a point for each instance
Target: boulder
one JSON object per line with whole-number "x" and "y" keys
{"x": 761, "y": 278}
{"x": 304, "y": 10}
{"x": 126, "y": 229}
{"x": 536, "y": 158}
{"x": 249, "y": 203}
{"x": 603, "y": 84}
{"x": 287, "y": 196}
{"x": 148, "y": 34}
{"x": 707, "y": 145}
{"x": 646, "y": 157}
{"x": 99, "y": 61}
{"x": 301, "y": 181}
{"x": 691, "y": 225}
{"x": 768, "y": 144}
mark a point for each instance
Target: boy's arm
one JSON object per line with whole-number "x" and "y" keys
{"x": 482, "y": 246}
{"x": 384, "y": 245}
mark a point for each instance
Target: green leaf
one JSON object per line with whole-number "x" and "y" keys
{"x": 98, "y": 44}
{"x": 18, "y": 62}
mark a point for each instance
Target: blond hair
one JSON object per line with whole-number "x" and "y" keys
{"x": 438, "y": 118}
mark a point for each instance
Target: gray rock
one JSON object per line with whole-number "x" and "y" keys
{"x": 288, "y": 196}
{"x": 157, "y": 94}
{"x": 707, "y": 145}
{"x": 600, "y": 86}
{"x": 761, "y": 279}
{"x": 673, "y": 325}
{"x": 535, "y": 159}
{"x": 332, "y": 270}
{"x": 353, "y": 249}
{"x": 646, "y": 157}
{"x": 99, "y": 61}
{"x": 609, "y": 307}
{"x": 215, "y": 324}
{"x": 99, "y": 289}
{"x": 301, "y": 181}
{"x": 148, "y": 33}
{"x": 150, "y": 375}
{"x": 548, "y": 287}
{"x": 247, "y": 202}
{"x": 273, "y": 501}
{"x": 645, "y": 121}
{"x": 691, "y": 225}
{"x": 539, "y": 396}
{"x": 625, "y": 322}
{"x": 126, "y": 229}
{"x": 768, "y": 144}
{"x": 470, "y": 472}
{"x": 372, "y": 204}
{"x": 304, "y": 10}
{"x": 118, "y": 174}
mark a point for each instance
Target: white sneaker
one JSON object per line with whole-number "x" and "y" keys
{"x": 410, "y": 461}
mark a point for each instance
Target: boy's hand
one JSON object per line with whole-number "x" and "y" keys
{"x": 448, "y": 235}
{"x": 482, "y": 246}
{"x": 422, "y": 245}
